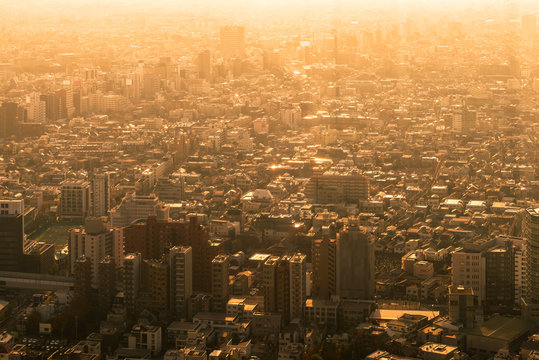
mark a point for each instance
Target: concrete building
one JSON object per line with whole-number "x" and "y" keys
{"x": 134, "y": 207}
{"x": 298, "y": 285}
{"x": 355, "y": 263}
{"x": 75, "y": 200}
{"x": 462, "y": 305}
{"x": 101, "y": 200}
{"x": 11, "y": 234}
{"x": 219, "y": 283}
{"x": 181, "y": 279}
{"x": 337, "y": 185}
{"x": 276, "y": 280}
{"x": 131, "y": 280}
{"x": 531, "y": 234}
{"x": 233, "y": 41}
{"x": 153, "y": 236}
{"x": 500, "y": 276}
{"x": 468, "y": 270}
{"x": 95, "y": 241}
{"x": 324, "y": 283}
{"x": 146, "y": 337}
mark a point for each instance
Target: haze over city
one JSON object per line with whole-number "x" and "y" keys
{"x": 269, "y": 180}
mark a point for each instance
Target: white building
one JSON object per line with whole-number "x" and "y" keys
{"x": 134, "y": 207}
{"x": 95, "y": 241}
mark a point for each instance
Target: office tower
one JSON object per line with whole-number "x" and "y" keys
{"x": 355, "y": 263}
{"x": 462, "y": 305}
{"x": 134, "y": 207}
{"x": 529, "y": 25}
{"x": 82, "y": 276}
{"x": 500, "y": 276}
{"x": 11, "y": 234}
{"x": 204, "y": 65}
{"x": 324, "y": 252}
{"x": 531, "y": 234}
{"x": 153, "y": 294}
{"x": 298, "y": 285}
{"x": 276, "y": 280}
{"x": 106, "y": 286}
{"x": 75, "y": 200}
{"x": 101, "y": 194}
{"x": 219, "y": 283}
{"x": 233, "y": 41}
{"x": 131, "y": 280}
{"x": 95, "y": 241}
{"x": 152, "y": 236}
{"x": 337, "y": 185}
{"x": 181, "y": 279}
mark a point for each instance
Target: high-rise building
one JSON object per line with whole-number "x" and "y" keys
{"x": 219, "y": 283}
{"x": 37, "y": 109}
{"x": 82, "y": 276}
{"x": 52, "y": 107}
{"x": 355, "y": 263}
{"x": 131, "y": 280}
{"x": 106, "y": 284}
{"x": 298, "y": 285}
{"x": 9, "y": 119}
{"x": 11, "y": 234}
{"x": 468, "y": 270}
{"x": 101, "y": 194}
{"x": 181, "y": 279}
{"x": 204, "y": 65}
{"x": 75, "y": 200}
{"x": 337, "y": 185}
{"x": 233, "y": 41}
{"x": 462, "y": 305}
{"x": 154, "y": 292}
{"x": 276, "y": 279}
{"x": 95, "y": 241}
{"x": 531, "y": 233}
{"x": 324, "y": 283}
{"x": 500, "y": 276}
{"x": 152, "y": 236}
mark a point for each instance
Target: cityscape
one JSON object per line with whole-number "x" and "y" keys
{"x": 269, "y": 180}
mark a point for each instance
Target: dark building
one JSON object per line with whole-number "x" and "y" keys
{"x": 106, "y": 287}
{"x": 9, "y": 119}
{"x": 11, "y": 234}
{"x": 500, "y": 276}
{"x": 324, "y": 270}
{"x": 355, "y": 260}
{"x": 152, "y": 237}
{"x": 154, "y": 292}
{"x": 204, "y": 65}
{"x": 38, "y": 258}
{"x": 52, "y": 106}
{"x": 82, "y": 275}
{"x": 276, "y": 277}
